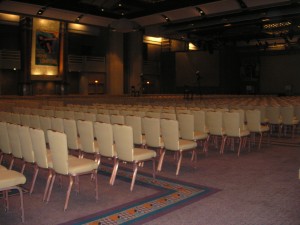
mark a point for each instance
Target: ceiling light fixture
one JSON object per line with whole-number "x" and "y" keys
{"x": 41, "y": 11}
{"x": 200, "y": 11}
{"x": 166, "y": 18}
{"x": 78, "y": 18}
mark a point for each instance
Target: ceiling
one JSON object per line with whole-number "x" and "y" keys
{"x": 259, "y": 22}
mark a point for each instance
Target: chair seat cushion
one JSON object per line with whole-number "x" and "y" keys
{"x": 140, "y": 154}
{"x": 199, "y": 135}
{"x": 264, "y": 128}
{"x": 9, "y": 178}
{"x": 244, "y": 133}
{"x": 2, "y": 168}
{"x": 186, "y": 144}
{"x": 77, "y": 166}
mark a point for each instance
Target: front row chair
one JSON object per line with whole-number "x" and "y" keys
{"x": 71, "y": 167}
{"x": 172, "y": 142}
{"x": 126, "y": 151}
{"x": 10, "y": 179}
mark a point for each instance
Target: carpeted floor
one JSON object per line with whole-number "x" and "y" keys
{"x": 261, "y": 187}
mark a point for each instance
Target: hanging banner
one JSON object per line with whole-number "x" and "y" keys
{"x": 45, "y": 47}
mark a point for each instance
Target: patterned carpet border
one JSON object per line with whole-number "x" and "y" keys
{"x": 170, "y": 195}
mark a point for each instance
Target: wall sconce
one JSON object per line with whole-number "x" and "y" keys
{"x": 78, "y": 18}
{"x": 41, "y": 11}
{"x": 200, "y": 11}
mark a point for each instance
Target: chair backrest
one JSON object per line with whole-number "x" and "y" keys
{"x": 15, "y": 118}
{"x": 152, "y": 131}
{"x": 26, "y": 144}
{"x": 49, "y": 112}
{"x": 273, "y": 114}
{"x": 59, "y": 151}
{"x": 231, "y": 121}
{"x": 35, "y": 121}
{"x": 104, "y": 118}
{"x": 86, "y": 134}
{"x": 59, "y": 113}
{"x": 70, "y": 129}
{"x": 253, "y": 118}
{"x": 170, "y": 116}
{"x": 25, "y": 119}
{"x": 14, "y": 140}
{"x": 186, "y": 126}
{"x": 153, "y": 114}
{"x": 126, "y": 112}
{"x": 90, "y": 116}
{"x": 45, "y": 125}
{"x": 6, "y": 116}
{"x": 214, "y": 122}
{"x": 57, "y": 124}
{"x": 242, "y": 117}
{"x": 79, "y": 115}
{"x": 104, "y": 136}
{"x": 199, "y": 120}
{"x": 170, "y": 133}
{"x": 117, "y": 119}
{"x": 69, "y": 114}
{"x": 287, "y": 114}
{"x": 39, "y": 147}
{"x": 136, "y": 123}
{"x": 4, "y": 138}
{"x": 114, "y": 112}
{"x": 123, "y": 137}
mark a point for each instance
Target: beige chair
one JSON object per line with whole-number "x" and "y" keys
{"x": 170, "y": 116}
{"x": 117, "y": 119}
{"x": 152, "y": 132}
{"x": 214, "y": 122}
{"x": 123, "y": 136}
{"x": 45, "y": 125}
{"x": 27, "y": 150}
{"x": 9, "y": 180}
{"x": 104, "y": 118}
{"x": 49, "y": 112}
{"x": 5, "y": 142}
{"x": 78, "y": 115}
{"x": 14, "y": 139}
{"x": 90, "y": 116}
{"x": 35, "y": 121}
{"x": 255, "y": 126}
{"x": 57, "y": 124}
{"x": 136, "y": 123}
{"x": 105, "y": 140}
{"x": 289, "y": 120}
{"x": 71, "y": 168}
{"x": 59, "y": 113}
{"x": 233, "y": 130}
{"x": 69, "y": 114}
{"x": 274, "y": 118}
{"x": 87, "y": 141}
{"x": 199, "y": 121}
{"x": 153, "y": 114}
{"x": 70, "y": 129}
{"x": 172, "y": 142}
{"x": 42, "y": 156}
{"x": 15, "y": 118}
{"x": 187, "y": 130}
{"x": 25, "y": 119}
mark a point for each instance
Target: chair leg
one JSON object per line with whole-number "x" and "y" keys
{"x": 68, "y": 192}
{"x": 153, "y": 167}
{"x": 47, "y": 184}
{"x": 179, "y": 163}
{"x": 96, "y": 183}
{"x": 224, "y": 138}
{"x": 114, "y": 172}
{"x": 22, "y": 202}
{"x": 36, "y": 170}
{"x": 161, "y": 159}
{"x": 135, "y": 168}
{"x": 260, "y": 138}
{"x": 240, "y": 146}
{"x": 51, "y": 186}
{"x": 11, "y": 162}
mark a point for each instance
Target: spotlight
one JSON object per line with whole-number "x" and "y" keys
{"x": 78, "y": 18}
{"x": 41, "y": 11}
{"x": 200, "y": 11}
{"x": 166, "y": 18}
